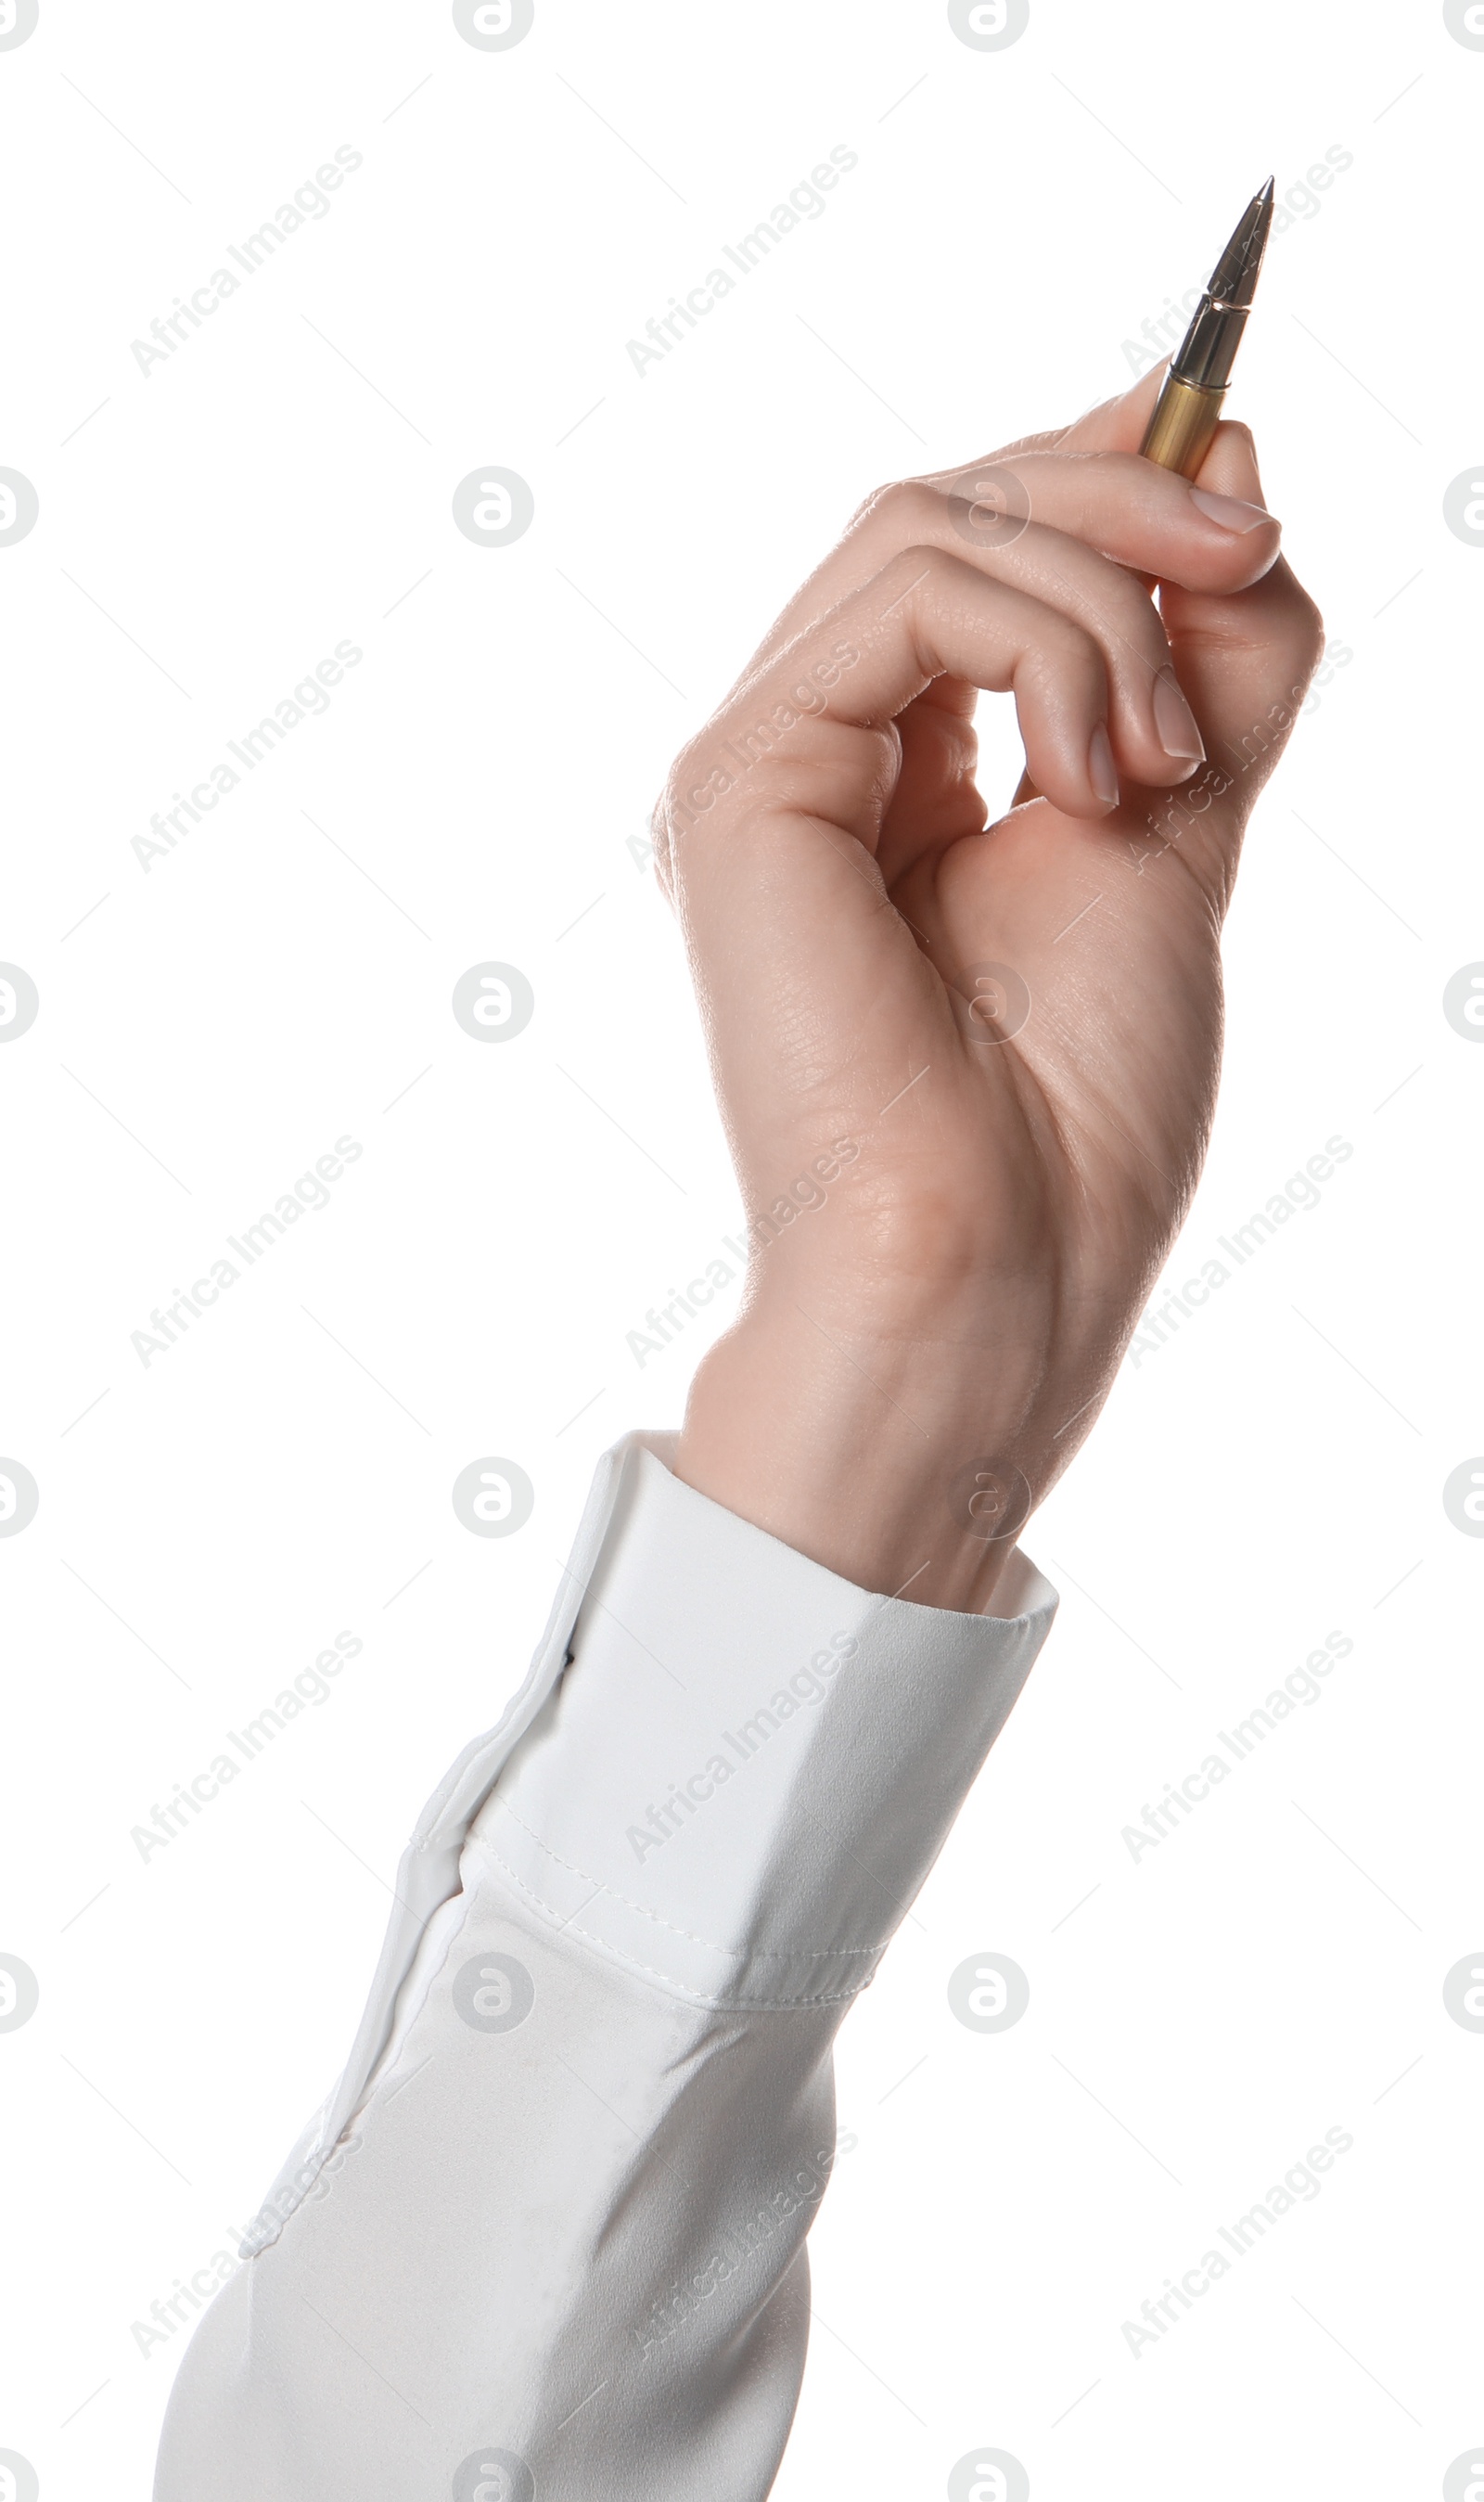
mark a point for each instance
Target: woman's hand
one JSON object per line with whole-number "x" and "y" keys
{"x": 969, "y": 1073}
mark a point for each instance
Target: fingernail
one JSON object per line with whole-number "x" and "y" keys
{"x": 1228, "y": 512}
{"x": 1175, "y": 722}
{"x": 1102, "y": 771}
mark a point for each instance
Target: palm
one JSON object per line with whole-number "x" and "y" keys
{"x": 1115, "y": 941}
{"x": 1062, "y": 1155}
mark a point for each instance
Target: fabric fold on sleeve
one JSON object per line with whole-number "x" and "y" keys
{"x": 548, "y": 2233}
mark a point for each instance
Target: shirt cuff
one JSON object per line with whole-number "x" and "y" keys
{"x": 683, "y": 1639}
{"x": 747, "y": 1766}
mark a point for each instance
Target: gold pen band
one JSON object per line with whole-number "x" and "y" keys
{"x": 1180, "y": 430}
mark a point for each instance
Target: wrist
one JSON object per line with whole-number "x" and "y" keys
{"x": 902, "y": 1449}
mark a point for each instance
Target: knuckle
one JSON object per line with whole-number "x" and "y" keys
{"x": 1313, "y": 628}
{"x": 662, "y": 839}
{"x": 683, "y": 792}
{"x": 684, "y": 770}
{"x": 1123, "y": 468}
{"x": 902, "y": 505}
{"x": 867, "y": 506}
{"x": 917, "y": 567}
{"x": 1068, "y": 643}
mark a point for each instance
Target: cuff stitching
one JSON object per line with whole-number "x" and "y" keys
{"x": 738, "y": 1955}
{"x": 651, "y": 1971}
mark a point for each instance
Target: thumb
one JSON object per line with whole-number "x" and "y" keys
{"x": 1244, "y": 659}
{"x": 1230, "y": 466}
{"x": 1245, "y": 663}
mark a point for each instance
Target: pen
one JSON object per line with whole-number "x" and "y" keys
{"x": 1190, "y": 403}
{"x": 1188, "y": 410}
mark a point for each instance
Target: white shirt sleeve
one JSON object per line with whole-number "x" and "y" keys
{"x": 545, "y": 2237}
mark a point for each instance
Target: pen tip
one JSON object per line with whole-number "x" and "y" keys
{"x": 1235, "y": 275}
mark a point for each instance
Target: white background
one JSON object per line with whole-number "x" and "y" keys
{"x": 210, "y": 1026}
